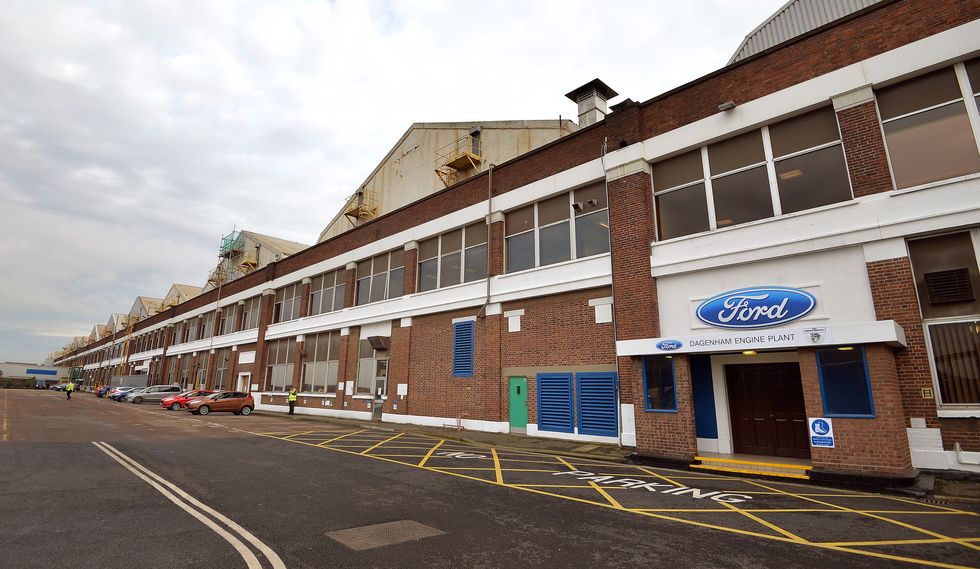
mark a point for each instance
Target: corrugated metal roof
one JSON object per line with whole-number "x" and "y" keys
{"x": 795, "y": 18}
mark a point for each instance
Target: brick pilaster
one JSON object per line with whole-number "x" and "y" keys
{"x": 350, "y": 280}
{"x": 495, "y": 245}
{"x": 864, "y": 146}
{"x": 411, "y": 267}
{"x": 298, "y": 366}
{"x": 265, "y": 318}
{"x": 304, "y": 300}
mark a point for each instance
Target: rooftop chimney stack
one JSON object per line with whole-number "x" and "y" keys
{"x": 591, "y": 99}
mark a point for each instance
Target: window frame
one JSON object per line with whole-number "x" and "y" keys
{"x": 340, "y": 280}
{"x": 646, "y": 385}
{"x": 462, "y": 258}
{"x": 867, "y": 386}
{"x": 358, "y": 280}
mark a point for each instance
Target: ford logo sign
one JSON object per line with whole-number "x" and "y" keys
{"x": 758, "y": 307}
{"x": 669, "y": 345}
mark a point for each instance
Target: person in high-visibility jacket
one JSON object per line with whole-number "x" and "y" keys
{"x": 292, "y": 399}
{"x": 69, "y": 388}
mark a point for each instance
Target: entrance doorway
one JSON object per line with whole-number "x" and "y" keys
{"x": 768, "y": 413}
{"x": 242, "y": 383}
{"x": 518, "y": 404}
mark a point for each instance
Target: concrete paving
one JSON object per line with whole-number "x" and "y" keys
{"x": 153, "y": 489}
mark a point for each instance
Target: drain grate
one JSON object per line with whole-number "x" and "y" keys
{"x": 380, "y": 535}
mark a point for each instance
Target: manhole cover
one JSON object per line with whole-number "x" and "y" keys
{"x": 380, "y": 535}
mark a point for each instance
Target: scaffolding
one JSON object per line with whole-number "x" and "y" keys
{"x": 232, "y": 245}
{"x": 462, "y": 154}
{"x": 362, "y": 206}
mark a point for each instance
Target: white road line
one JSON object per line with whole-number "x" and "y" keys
{"x": 158, "y": 482}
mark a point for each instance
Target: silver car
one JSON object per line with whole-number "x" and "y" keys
{"x": 153, "y": 393}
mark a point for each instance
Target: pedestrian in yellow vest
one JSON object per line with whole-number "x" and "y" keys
{"x": 69, "y": 388}
{"x": 292, "y": 399}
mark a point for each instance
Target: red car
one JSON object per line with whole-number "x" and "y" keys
{"x": 179, "y": 401}
{"x": 235, "y": 401}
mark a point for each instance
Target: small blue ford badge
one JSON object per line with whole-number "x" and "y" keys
{"x": 757, "y": 307}
{"x": 669, "y": 345}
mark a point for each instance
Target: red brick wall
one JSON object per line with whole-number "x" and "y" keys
{"x": 399, "y": 369}
{"x": 632, "y": 231}
{"x": 864, "y": 149}
{"x": 663, "y": 435}
{"x": 877, "y": 446}
{"x": 411, "y": 269}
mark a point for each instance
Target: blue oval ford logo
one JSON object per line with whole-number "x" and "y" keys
{"x": 757, "y": 307}
{"x": 668, "y": 345}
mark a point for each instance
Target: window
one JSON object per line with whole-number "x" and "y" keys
{"x": 658, "y": 383}
{"x": 327, "y": 292}
{"x": 251, "y": 319}
{"x": 463, "y": 347}
{"x": 207, "y": 325}
{"x": 321, "y": 362}
{"x": 185, "y": 369}
{"x": 226, "y": 322}
{"x": 372, "y": 369}
{"x": 280, "y": 359}
{"x": 454, "y": 257}
{"x": 729, "y": 182}
{"x": 381, "y": 278}
{"x": 927, "y": 129}
{"x": 202, "y": 369}
{"x": 544, "y": 233}
{"x": 947, "y": 280}
{"x": 844, "y": 382}
{"x": 191, "y": 329}
{"x": 221, "y": 367}
{"x": 287, "y": 303}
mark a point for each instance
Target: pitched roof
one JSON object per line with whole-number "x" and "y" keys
{"x": 795, "y": 18}
{"x": 276, "y": 244}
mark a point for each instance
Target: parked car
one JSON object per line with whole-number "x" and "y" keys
{"x": 117, "y": 393}
{"x": 177, "y": 402}
{"x": 152, "y": 393}
{"x": 234, "y": 401}
{"x": 103, "y": 391}
{"x": 59, "y": 387}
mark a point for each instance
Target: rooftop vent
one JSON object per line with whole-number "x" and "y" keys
{"x": 591, "y": 99}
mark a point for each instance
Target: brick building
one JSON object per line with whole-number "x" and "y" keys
{"x": 791, "y": 237}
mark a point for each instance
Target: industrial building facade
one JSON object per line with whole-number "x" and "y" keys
{"x": 699, "y": 276}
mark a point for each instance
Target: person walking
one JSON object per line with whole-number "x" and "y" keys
{"x": 69, "y": 388}
{"x": 292, "y": 399}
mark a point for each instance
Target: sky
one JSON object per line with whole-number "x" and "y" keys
{"x": 135, "y": 134}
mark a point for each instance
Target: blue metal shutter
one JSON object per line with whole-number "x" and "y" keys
{"x": 598, "y": 404}
{"x": 555, "y": 402}
{"x": 463, "y": 349}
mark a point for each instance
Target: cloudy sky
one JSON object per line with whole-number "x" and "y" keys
{"x": 134, "y": 134}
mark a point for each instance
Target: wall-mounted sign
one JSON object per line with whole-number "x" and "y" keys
{"x": 756, "y": 307}
{"x": 821, "y": 432}
{"x": 740, "y": 340}
{"x": 669, "y": 345}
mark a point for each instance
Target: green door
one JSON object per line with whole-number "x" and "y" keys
{"x": 518, "y": 404}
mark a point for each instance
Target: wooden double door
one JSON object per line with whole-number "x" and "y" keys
{"x": 767, "y": 409}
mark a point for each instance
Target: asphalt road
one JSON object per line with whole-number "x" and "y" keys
{"x": 93, "y": 483}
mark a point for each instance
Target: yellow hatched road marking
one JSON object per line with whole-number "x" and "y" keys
{"x": 298, "y": 434}
{"x": 381, "y": 443}
{"x": 951, "y": 510}
{"x": 606, "y": 495}
{"x": 428, "y": 454}
{"x": 769, "y": 525}
{"x": 662, "y": 477}
{"x": 335, "y": 438}
{"x": 496, "y": 466}
{"x": 896, "y": 542}
{"x": 656, "y": 515}
{"x": 884, "y": 519}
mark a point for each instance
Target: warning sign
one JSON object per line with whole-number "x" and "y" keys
{"x": 821, "y": 432}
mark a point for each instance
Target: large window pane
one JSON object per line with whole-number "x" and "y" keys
{"x": 338, "y": 296}
{"x": 956, "y": 353}
{"x": 364, "y": 291}
{"x": 590, "y": 198}
{"x": 476, "y": 234}
{"x": 452, "y": 241}
{"x": 555, "y": 243}
{"x": 919, "y": 93}
{"x": 813, "y": 179}
{"x": 682, "y": 212}
{"x": 519, "y": 220}
{"x": 428, "y": 275}
{"x": 396, "y": 282}
{"x": 592, "y": 234}
{"x": 450, "y": 270}
{"x": 931, "y": 146}
{"x": 429, "y": 249}
{"x": 678, "y": 170}
{"x": 378, "y": 287}
{"x": 553, "y": 210}
{"x": 520, "y": 252}
{"x": 805, "y": 131}
{"x": 658, "y": 377}
{"x": 946, "y": 275}
{"x": 475, "y": 263}
{"x": 742, "y": 197}
{"x": 844, "y": 383}
{"x": 737, "y": 152}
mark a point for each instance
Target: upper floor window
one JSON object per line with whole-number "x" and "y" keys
{"x": 251, "y": 314}
{"x": 947, "y": 279}
{"x": 207, "y": 325}
{"x": 226, "y": 323}
{"x": 570, "y": 225}
{"x": 327, "y": 292}
{"x": 191, "y": 329}
{"x": 789, "y": 166}
{"x": 382, "y": 277}
{"x": 927, "y": 128}
{"x": 321, "y": 362}
{"x": 287, "y": 303}
{"x": 280, "y": 359}
{"x": 454, "y": 257}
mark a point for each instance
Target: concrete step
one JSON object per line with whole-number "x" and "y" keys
{"x": 765, "y": 467}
